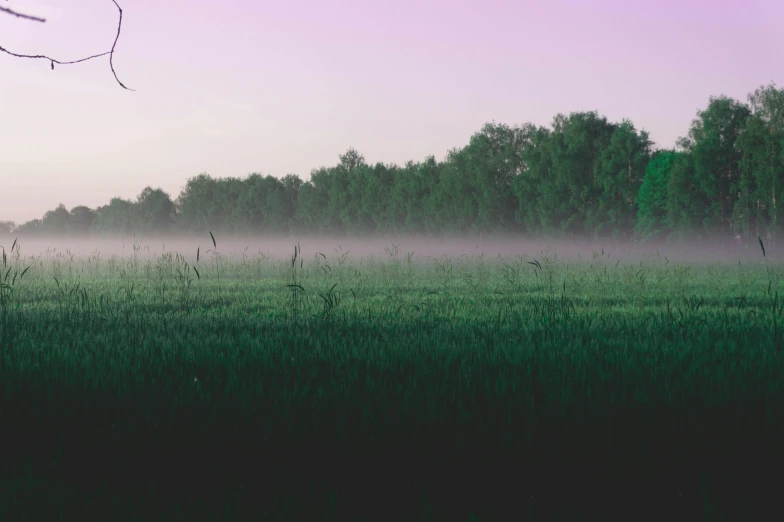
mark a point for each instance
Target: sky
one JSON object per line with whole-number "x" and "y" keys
{"x": 241, "y": 86}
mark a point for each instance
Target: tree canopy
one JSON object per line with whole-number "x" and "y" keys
{"x": 583, "y": 176}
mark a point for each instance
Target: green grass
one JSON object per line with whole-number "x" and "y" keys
{"x": 321, "y": 387}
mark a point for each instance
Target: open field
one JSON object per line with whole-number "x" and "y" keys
{"x": 162, "y": 384}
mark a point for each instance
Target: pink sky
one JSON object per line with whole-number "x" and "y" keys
{"x": 240, "y": 86}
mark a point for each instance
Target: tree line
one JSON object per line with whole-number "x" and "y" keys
{"x": 581, "y": 177}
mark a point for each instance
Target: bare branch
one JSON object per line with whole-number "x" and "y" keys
{"x": 58, "y": 62}
{"x": 111, "y": 55}
{"x": 20, "y": 15}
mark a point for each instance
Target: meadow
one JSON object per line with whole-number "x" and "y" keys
{"x": 201, "y": 385}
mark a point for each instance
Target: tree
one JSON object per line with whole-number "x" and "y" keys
{"x": 493, "y": 158}
{"x": 52, "y": 61}
{"x": 713, "y": 144}
{"x": 454, "y": 198}
{"x": 154, "y": 211}
{"x": 7, "y": 228}
{"x": 571, "y": 192}
{"x": 685, "y": 203}
{"x": 55, "y": 222}
{"x": 762, "y": 163}
{"x": 29, "y": 228}
{"x": 345, "y": 191}
{"x": 116, "y": 218}
{"x": 80, "y": 220}
{"x": 408, "y": 207}
{"x": 261, "y": 206}
{"x": 749, "y": 212}
{"x": 195, "y": 203}
{"x": 291, "y": 186}
{"x": 620, "y": 174}
{"x": 652, "y": 196}
{"x": 536, "y": 164}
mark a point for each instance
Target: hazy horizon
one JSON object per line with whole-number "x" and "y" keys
{"x": 281, "y": 247}
{"x": 271, "y": 88}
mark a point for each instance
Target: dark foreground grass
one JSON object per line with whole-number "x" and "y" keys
{"x": 447, "y": 390}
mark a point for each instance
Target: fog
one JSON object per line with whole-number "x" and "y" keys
{"x": 381, "y": 247}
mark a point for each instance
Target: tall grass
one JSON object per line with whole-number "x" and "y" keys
{"x": 457, "y": 388}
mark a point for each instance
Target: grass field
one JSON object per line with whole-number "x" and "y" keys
{"x": 203, "y": 386}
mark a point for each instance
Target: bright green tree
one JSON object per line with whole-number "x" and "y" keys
{"x": 652, "y": 196}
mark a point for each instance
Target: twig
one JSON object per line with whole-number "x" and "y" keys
{"x": 111, "y": 56}
{"x": 20, "y": 15}
{"x": 53, "y": 61}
